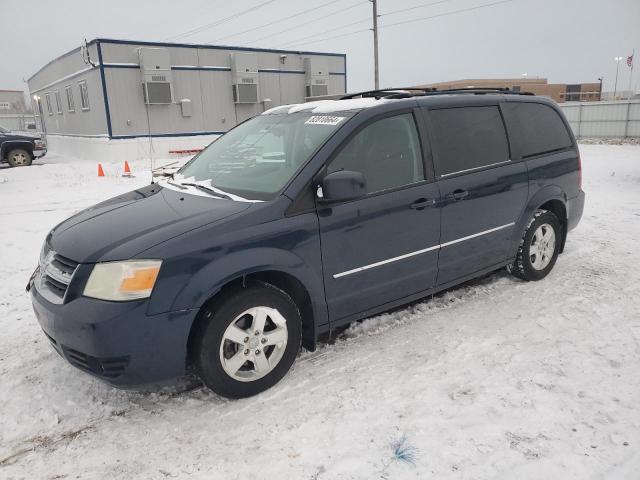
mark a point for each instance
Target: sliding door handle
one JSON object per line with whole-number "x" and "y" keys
{"x": 458, "y": 194}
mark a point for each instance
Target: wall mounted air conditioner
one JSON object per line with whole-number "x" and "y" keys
{"x": 316, "y": 71}
{"x": 244, "y": 72}
{"x": 155, "y": 67}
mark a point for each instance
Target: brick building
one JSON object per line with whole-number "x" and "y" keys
{"x": 560, "y": 92}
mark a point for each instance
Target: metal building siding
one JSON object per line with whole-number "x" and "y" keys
{"x": 270, "y": 87}
{"x": 217, "y": 105}
{"x": 200, "y": 74}
{"x": 62, "y": 67}
{"x": 90, "y": 122}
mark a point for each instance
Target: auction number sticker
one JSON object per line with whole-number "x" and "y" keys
{"x": 324, "y": 120}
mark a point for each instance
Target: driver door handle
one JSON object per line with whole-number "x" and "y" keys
{"x": 423, "y": 203}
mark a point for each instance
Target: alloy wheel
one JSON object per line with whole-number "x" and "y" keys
{"x": 542, "y": 247}
{"x": 253, "y": 344}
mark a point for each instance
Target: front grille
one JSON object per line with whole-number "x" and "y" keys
{"x": 110, "y": 367}
{"x": 56, "y": 273}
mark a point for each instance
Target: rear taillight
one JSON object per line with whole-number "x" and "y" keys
{"x": 579, "y": 172}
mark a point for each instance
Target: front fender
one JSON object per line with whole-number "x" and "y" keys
{"x": 210, "y": 279}
{"x": 545, "y": 194}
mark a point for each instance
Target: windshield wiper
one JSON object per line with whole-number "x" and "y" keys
{"x": 210, "y": 191}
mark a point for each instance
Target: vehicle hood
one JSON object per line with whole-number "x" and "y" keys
{"x": 21, "y": 136}
{"x": 124, "y": 226}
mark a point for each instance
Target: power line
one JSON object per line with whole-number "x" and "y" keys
{"x": 405, "y": 22}
{"x": 259, "y": 27}
{"x": 219, "y": 22}
{"x": 477, "y": 7}
{"x": 310, "y": 21}
{"x": 393, "y": 12}
{"x": 340, "y": 27}
{"x": 363, "y": 20}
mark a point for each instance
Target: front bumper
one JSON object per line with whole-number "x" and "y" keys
{"x": 116, "y": 341}
{"x": 39, "y": 153}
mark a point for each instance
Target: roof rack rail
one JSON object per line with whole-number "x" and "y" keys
{"x": 407, "y": 92}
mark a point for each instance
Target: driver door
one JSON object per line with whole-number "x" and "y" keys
{"x": 382, "y": 247}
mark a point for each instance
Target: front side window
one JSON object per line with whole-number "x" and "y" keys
{"x": 58, "y": 102}
{"x": 49, "y": 108}
{"x": 70, "y": 103}
{"x": 256, "y": 159}
{"x": 387, "y": 153}
{"x": 84, "y": 95}
{"x": 468, "y": 138}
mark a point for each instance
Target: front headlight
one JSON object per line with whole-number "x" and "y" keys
{"x": 121, "y": 281}
{"x": 44, "y": 251}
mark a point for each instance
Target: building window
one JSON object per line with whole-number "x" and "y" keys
{"x": 5, "y": 106}
{"x": 573, "y": 93}
{"x": 84, "y": 95}
{"x": 58, "y": 102}
{"x": 70, "y": 103}
{"x": 48, "y": 98}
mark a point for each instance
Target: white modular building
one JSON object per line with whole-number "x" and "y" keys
{"x": 108, "y": 97}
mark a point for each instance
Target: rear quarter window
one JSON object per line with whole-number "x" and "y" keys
{"x": 468, "y": 138}
{"x": 535, "y": 128}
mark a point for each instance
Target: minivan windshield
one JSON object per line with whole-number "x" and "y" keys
{"x": 258, "y": 157}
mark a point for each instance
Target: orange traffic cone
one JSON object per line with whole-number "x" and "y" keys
{"x": 127, "y": 170}
{"x": 100, "y": 170}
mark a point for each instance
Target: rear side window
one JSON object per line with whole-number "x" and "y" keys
{"x": 535, "y": 128}
{"x": 386, "y": 152}
{"x": 468, "y": 138}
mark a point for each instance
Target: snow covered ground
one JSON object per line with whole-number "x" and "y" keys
{"x": 495, "y": 379}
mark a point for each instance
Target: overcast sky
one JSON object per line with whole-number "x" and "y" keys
{"x": 567, "y": 41}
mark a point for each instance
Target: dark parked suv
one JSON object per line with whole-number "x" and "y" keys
{"x": 300, "y": 220}
{"x": 19, "y": 150}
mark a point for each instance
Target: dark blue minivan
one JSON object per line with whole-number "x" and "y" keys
{"x": 303, "y": 219}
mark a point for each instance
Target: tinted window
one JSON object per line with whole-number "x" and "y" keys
{"x": 468, "y": 138}
{"x": 535, "y": 128}
{"x": 387, "y": 153}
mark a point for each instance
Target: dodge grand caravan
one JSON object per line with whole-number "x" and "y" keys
{"x": 303, "y": 219}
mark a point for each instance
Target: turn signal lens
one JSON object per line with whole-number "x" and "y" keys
{"x": 122, "y": 281}
{"x": 139, "y": 280}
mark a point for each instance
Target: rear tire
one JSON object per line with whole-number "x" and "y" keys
{"x": 247, "y": 342}
{"x": 19, "y": 157}
{"x": 539, "y": 247}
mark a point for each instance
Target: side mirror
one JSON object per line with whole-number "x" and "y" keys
{"x": 341, "y": 186}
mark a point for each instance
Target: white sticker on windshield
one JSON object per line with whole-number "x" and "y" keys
{"x": 324, "y": 120}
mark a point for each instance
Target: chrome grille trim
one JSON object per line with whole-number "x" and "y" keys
{"x": 55, "y": 275}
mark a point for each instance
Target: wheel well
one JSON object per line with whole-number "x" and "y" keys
{"x": 285, "y": 282}
{"x": 8, "y": 146}
{"x": 560, "y": 211}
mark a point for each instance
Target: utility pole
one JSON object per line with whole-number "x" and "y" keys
{"x": 633, "y": 59}
{"x": 375, "y": 44}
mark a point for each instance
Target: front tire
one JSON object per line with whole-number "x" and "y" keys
{"x": 539, "y": 247}
{"x": 247, "y": 342}
{"x": 19, "y": 157}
